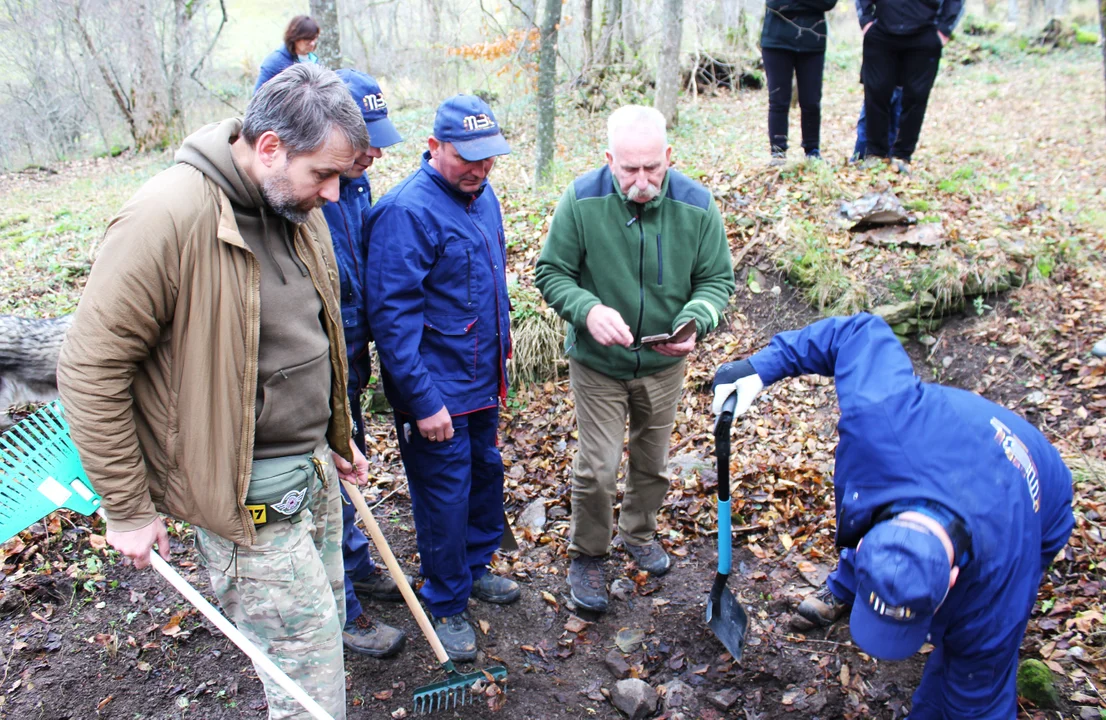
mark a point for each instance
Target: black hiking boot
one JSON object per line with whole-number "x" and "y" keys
{"x": 457, "y": 636}
{"x": 495, "y": 589}
{"x": 364, "y": 635}
{"x": 587, "y": 586}
{"x": 650, "y": 557}
{"x": 380, "y": 586}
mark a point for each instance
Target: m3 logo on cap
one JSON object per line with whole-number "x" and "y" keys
{"x": 882, "y": 608}
{"x": 478, "y": 122}
{"x": 375, "y": 102}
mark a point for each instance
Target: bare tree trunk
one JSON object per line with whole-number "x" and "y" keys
{"x": 547, "y": 84}
{"x": 148, "y": 93}
{"x": 610, "y": 32}
{"x": 1102, "y": 35}
{"x": 668, "y": 63}
{"x": 329, "y": 50}
{"x": 587, "y": 30}
{"x": 116, "y": 92}
{"x": 631, "y": 39}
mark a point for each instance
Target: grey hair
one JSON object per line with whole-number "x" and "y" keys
{"x": 302, "y": 105}
{"x": 634, "y": 118}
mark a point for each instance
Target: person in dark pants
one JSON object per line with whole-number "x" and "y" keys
{"x": 436, "y": 295}
{"x": 346, "y": 220}
{"x": 862, "y": 126}
{"x": 902, "y": 48}
{"x": 793, "y": 43}
{"x": 949, "y": 508}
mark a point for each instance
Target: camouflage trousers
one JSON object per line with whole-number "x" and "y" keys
{"x": 287, "y": 594}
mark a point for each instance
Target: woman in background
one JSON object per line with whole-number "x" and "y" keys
{"x": 300, "y": 38}
{"x": 793, "y": 43}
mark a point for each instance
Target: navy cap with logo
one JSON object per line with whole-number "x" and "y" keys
{"x": 374, "y": 108}
{"x": 468, "y": 123}
{"x": 902, "y": 577}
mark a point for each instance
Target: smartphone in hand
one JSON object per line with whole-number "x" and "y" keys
{"x": 682, "y": 333}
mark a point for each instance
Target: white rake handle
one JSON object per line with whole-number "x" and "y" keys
{"x": 260, "y": 659}
{"x": 220, "y": 621}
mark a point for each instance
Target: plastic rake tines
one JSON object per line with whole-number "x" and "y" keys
{"x": 40, "y": 472}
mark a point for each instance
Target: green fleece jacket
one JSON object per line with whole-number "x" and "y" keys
{"x": 658, "y": 264}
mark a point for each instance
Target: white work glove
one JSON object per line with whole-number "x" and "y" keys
{"x": 736, "y": 377}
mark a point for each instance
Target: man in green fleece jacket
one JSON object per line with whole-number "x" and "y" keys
{"x": 635, "y": 249}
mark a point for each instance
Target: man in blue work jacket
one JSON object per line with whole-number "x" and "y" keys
{"x": 437, "y": 303}
{"x": 949, "y": 508}
{"x": 346, "y": 219}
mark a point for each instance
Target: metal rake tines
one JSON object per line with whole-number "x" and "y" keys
{"x": 443, "y": 699}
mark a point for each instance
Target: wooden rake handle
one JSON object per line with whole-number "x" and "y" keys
{"x": 227, "y": 627}
{"x": 396, "y": 571}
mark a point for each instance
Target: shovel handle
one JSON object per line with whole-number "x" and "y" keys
{"x": 396, "y": 571}
{"x": 722, "y": 453}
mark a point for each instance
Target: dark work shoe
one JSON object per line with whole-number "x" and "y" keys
{"x": 900, "y": 166}
{"x": 586, "y": 583}
{"x": 368, "y": 637}
{"x": 779, "y": 157}
{"x": 814, "y": 154}
{"x": 823, "y": 608}
{"x": 495, "y": 589}
{"x": 650, "y": 557}
{"x": 457, "y": 636}
{"x": 380, "y": 586}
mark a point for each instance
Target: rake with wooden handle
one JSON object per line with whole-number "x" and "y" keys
{"x": 456, "y": 689}
{"x": 40, "y": 472}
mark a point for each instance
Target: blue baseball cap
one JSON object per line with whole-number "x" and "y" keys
{"x": 468, "y": 123}
{"x": 902, "y": 577}
{"x": 374, "y": 108}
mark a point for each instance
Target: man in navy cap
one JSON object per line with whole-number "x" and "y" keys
{"x": 346, "y": 219}
{"x": 436, "y": 293}
{"x": 949, "y": 509}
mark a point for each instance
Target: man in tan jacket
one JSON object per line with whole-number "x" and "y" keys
{"x": 204, "y": 376}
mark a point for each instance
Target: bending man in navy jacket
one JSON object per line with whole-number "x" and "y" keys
{"x": 949, "y": 508}
{"x": 346, "y": 219}
{"x": 437, "y": 303}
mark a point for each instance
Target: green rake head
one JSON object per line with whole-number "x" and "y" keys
{"x": 456, "y": 689}
{"x": 40, "y": 472}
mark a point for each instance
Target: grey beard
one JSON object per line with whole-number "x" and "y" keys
{"x": 277, "y": 191}
{"x": 643, "y": 196}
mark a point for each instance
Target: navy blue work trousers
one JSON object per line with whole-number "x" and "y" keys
{"x": 456, "y": 492}
{"x": 358, "y": 563}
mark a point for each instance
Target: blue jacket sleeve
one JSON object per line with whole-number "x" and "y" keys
{"x": 400, "y": 255}
{"x": 865, "y": 11}
{"x": 271, "y": 66}
{"x": 949, "y": 16}
{"x": 860, "y": 352}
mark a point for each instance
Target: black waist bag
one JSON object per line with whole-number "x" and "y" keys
{"x": 280, "y": 488}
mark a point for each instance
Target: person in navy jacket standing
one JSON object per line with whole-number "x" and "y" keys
{"x": 346, "y": 220}
{"x": 793, "y": 44}
{"x": 949, "y": 509}
{"x": 300, "y": 38}
{"x": 436, "y": 293}
{"x": 903, "y": 40}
